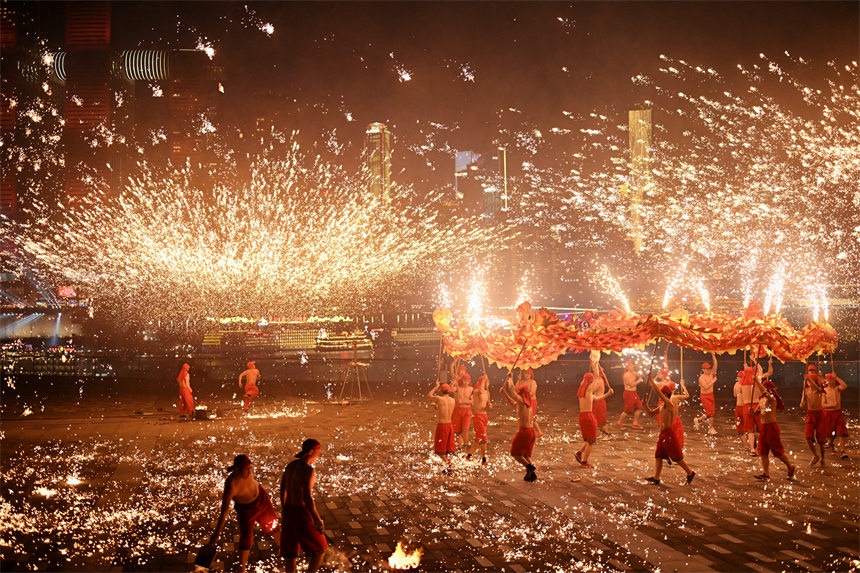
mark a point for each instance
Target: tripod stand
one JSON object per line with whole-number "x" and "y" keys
{"x": 353, "y": 378}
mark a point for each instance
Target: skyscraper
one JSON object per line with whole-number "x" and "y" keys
{"x": 377, "y": 156}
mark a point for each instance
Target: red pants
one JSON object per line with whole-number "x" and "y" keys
{"x": 632, "y": 402}
{"x": 834, "y": 423}
{"x": 749, "y": 419}
{"x": 588, "y": 426}
{"x": 299, "y": 531}
{"x": 739, "y": 419}
{"x": 524, "y": 442}
{"x": 814, "y": 426}
{"x": 258, "y": 511}
{"x": 599, "y": 410}
{"x": 186, "y": 401}
{"x": 481, "y": 421}
{"x": 678, "y": 428}
{"x": 668, "y": 447}
{"x": 709, "y": 404}
{"x": 251, "y": 392}
{"x": 461, "y": 418}
{"x": 443, "y": 442}
{"x": 769, "y": 440}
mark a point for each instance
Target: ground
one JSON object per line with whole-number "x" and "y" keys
{"x": 150, "y": 488}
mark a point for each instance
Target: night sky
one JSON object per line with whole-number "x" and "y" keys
{"x": 469, "y": 64}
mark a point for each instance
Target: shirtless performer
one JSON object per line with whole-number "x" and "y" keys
{"x": 251, "y": 376}
{"x": 814, "y": 428}
{"x": 632, "y": 401}
{"x": 599, "y": 386}
{"x": 303, "y": 526}
{"x": 252, "y": 506}
{"x": 745, "y": 406}
{"x": 834, "y": 419}
{"x": 186, "y": 400}
{"x": 443, "y": 440}
{"x": 480, "y": 404}
{"x": 524, "y": 440}
{"x": 769, "y": 439}
{"x": 461, "y": 418}
{"x": 706, "y": 394}
{"x": 527, "y": 379}
{"x": 587, "y": 420}
{"x": 668, "y": 447}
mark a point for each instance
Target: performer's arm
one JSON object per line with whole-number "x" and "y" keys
{"x": 309, "y": 502}
{"x": 840, "y": 383}
{"x": 714, "y": 360}
{"x": 685, "y": 394}
{"x": 507, "y": 396}
{"x": 654, "y": 386}
{"x": 604, "y": 395}
{"x": 454, "y": 364}
{"x": 769, "y": 372}
{"x": 803, "y": 392}
{"x": 432, "y": 393}
{"x": 225, "y": 508}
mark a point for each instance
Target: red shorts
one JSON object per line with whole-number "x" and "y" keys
{"x": 599, "y": 410}
{"x": 299, "y": 531}
{"x": 443, "y": 442}
{"x": 834, "y": 423}
{"x": 668, "y": 447}
{"x": 815, "y": 426}
{"x": 749, "y": 419}
{"x": 678, "y": 428}
{"x": 481, "y": 427}
{"x": 258, "y": 511}
{"x": 769, "y": 440}
{"x": 739, "y": 419}
{"x": 524, "y": 442}
{"x": 708, "y": 403}
{"x": 632, "y": 402}
{"x": 461, "y": 418}
{"x": 252, "y": 390}
{"x": 588, "y": 426}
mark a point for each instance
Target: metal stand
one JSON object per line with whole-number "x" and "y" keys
{"x": 353, "y": 377}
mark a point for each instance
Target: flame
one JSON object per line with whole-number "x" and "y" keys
{"x": 401, "y": 560}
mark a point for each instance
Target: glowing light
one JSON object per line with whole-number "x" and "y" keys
{"x": 402, "y": 560}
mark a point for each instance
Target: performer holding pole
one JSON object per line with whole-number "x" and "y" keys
{"x": 632, "y": 402}
{"x": 769, "y": 439}
{"x": 707, "y": 379}
{"x": 524, "y": 440}
{"x": 251, "y": 376}
{"x": 186, "y": 400}
{"x": 668, "y": 446}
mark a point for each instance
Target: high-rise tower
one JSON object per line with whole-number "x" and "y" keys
{"x": 377, "y": 153}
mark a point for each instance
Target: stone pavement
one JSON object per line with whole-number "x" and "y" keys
{"x": 150, "y": 489}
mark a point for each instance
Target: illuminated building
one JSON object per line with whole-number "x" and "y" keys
{"x": 480, "y": 181}
{"x": 377, "y": 156}
{"x": 639, "y": 121}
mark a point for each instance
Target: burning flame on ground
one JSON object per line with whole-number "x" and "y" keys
{"x": 402, "y": 560}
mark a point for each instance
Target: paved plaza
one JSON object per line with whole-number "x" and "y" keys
{"x": 149, "y": 489}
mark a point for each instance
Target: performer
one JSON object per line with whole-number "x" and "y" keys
{"x": 632, "y": 402}
{"x": 739, "y": 408}
{"x": 462, "y": 416}
{"x": 744, "y": 395}
{"x": 443, "y": 441}
{"x": 706, "y": 394}
{"x": 668, "y": 447}
{"x": 814, "y": 428}
{"x": 600, "y": 386}
{"x": 834, "y": 419}
{"x": 252, "y": 506}
{"x": 251, "y": 376}
{"x": 524, "y": 440}
{"x": 303, "y": 526}
{"x": 480, "y": 404}
{"x": 186, "y": 400}
{"x": 587, "y": 421}
{"x": 527, "y": 378}
{"x": 677, "y": 425}
{"x": 769, "y": 439}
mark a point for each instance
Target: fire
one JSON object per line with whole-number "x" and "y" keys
{"x": 402, "y": 560}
